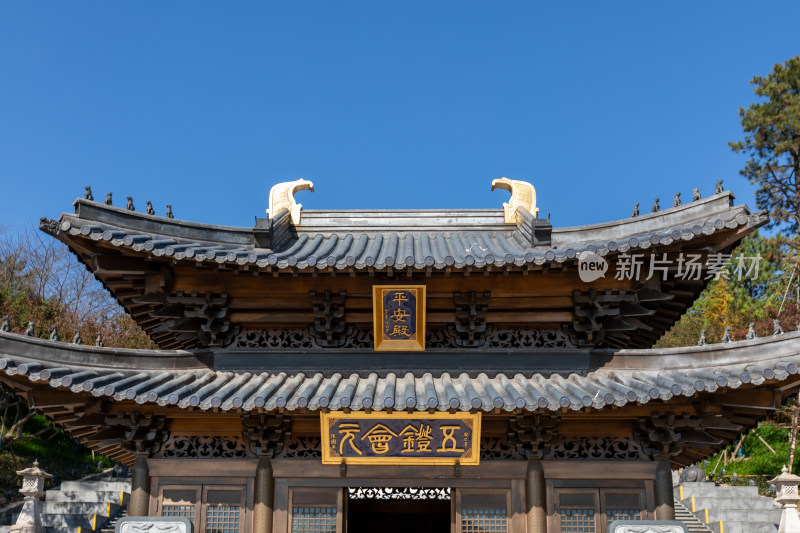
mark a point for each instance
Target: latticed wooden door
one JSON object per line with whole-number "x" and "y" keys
{"x": 210, "y": 508}
{"x": 316, "y": 511}
{"x": 482, "y": 511}
{"x": 585, "y": 510}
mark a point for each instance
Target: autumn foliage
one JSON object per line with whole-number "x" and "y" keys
{"x": 43, "y": 283}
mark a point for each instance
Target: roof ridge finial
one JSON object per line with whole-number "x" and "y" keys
{"x": 281, "y": 197}
{"x": 522, "y": 195}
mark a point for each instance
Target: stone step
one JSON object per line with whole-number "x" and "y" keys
{"x": 85, "y": 522}
{"x": 101, "y": 486}
{"x": 726, "y": 502}
{"x": 87, "y": 496}
{"x": 708, "y": 488}
{"x": 743, "y": 527}
{"x": 741, "y": 515}
{"x": 5, "y": 529}
{"x": 79, "y": 507}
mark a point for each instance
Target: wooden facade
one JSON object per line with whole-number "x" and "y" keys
{"x": 576, "y": 420}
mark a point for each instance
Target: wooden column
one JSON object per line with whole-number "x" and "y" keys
{"x": 139, "y": 502}
{"x": 665, "y": 502}
{"x": 536, "y": 497}
{"x": 264, "y": 496}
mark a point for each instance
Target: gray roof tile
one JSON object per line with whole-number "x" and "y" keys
{"x": 360, "y": 242}
{"x": 207, "y": 389}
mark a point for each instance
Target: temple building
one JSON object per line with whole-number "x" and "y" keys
{"x": 459, "y": 370}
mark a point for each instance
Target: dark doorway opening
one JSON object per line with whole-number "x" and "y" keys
{"x": 398, "y": 516}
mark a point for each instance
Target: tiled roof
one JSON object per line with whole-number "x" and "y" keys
{"x": 676, "y": 372}
{"x": 401, "y": 239}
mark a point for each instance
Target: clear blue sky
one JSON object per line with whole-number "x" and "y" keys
{"x": 205, "y": 105}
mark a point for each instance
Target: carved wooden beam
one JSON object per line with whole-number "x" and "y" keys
{"x": 749, "y": 399}
{"x": 117, "y": 265}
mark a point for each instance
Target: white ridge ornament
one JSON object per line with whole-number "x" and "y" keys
{"x": 281, "y": 197}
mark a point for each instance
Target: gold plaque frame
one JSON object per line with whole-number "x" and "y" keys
{"x": 471, "y": 457}
{"x": 398, "y": 345}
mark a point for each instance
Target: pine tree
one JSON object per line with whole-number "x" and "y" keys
{"x": 772, "y": 142}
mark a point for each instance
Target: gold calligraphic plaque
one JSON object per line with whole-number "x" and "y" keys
{"x": 399, "y": 317}
{"x": 401, "y": 438}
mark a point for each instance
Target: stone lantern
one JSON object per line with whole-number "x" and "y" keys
{"x": 33, "y": 489}
{"x": 786, "y": 495}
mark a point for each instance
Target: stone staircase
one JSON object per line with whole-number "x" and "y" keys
{"x": 110, "y": 526}
{"x": 726, "y": 509}
{"x": 81, "y": 506}
{"x": 694, "y": 524}
{"x": 84, "y": 506}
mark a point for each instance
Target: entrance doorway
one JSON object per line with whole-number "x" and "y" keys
{"x": 398, "y": 510}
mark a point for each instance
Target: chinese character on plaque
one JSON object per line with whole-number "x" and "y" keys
{"x": 401, "y": 438}
{"x": 399, "y": 315}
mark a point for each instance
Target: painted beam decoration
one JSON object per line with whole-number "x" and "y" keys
{"x": 401, "y": 438}
{"x": 399, "y": 317}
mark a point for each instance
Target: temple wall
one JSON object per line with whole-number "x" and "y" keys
{"x": 301, "y": 494}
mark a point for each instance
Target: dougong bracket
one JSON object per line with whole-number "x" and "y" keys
{"x": 665, "y": 435}
{"x": 533, "y": 436}
{"x": 141, "y": 433}
{"x": 329, "y": 328}
{"x": 265, "y": 434}
{"x": 204, "y": 316}
{"x": 470, "y": 329}
{"x": 598, "y": 313}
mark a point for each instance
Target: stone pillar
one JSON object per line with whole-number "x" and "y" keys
{"x": 787, "y": 497}
{"x": 264, "y": 496}
{"x": 139, "y": 503}
{"x": 536, "y": 497}
{"x": 29, "y": 520}
{"x": 665, "y": 500}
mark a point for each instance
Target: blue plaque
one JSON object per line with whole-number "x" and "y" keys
{"x": 399, "y": 314}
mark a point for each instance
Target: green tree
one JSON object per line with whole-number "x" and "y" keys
{"x": 772, "y": 142}
{"x": 756, "y": 290}
{"x": 741, "y": 295}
